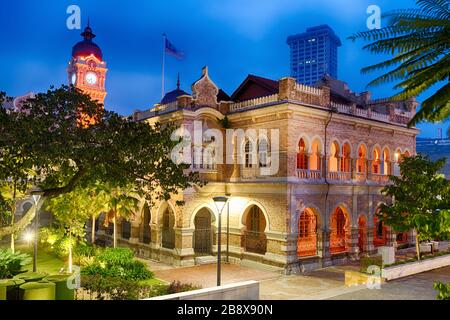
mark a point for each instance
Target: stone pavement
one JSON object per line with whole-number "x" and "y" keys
{"x": 327, "y": 283}
{"x": 206, "y": 275}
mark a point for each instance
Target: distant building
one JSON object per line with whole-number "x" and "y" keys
{"x": 436, "y": 148}
{"x": 313, "y": 54}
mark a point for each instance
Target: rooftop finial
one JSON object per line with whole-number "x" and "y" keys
{"x": 89, "y": 22}
{"x": 178, "y": 81}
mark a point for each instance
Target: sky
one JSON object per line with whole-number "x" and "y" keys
{"x": 233, "y": 38}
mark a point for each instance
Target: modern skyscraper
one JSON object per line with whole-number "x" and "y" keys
{"x": 313, "y": 54}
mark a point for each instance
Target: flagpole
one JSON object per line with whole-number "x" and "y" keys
{"x": 163, "y": 64}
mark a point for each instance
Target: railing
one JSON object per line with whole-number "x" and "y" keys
{"x": 253, "y": 102}
{"x": 361, "y": 112}
{"x": 255, "y": 242}
{"x": 157, "y": 110}
{"x": 360, "y": 176}
{"x": 339, "y": 175}
{"x": 380, "y": 178}
{"x": 380, "y": 116}
{"x": 307, "y": 89}
{"x": 309, "y": 174}
{"x": 342, "y": 107}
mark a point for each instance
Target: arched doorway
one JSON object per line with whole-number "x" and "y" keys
{"x": 379, "y": 233}
{"x": 339, "y": 224}
{"x": 203, "y": 233}
{"x": 146, "y": 231}
{"x": 307, "y": 234}
{"x": 168, "y": 234}
{"x": 362, "y": 233}
{"x": 254, "y": 239}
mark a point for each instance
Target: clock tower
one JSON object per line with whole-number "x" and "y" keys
{"x": 87, "y": 70}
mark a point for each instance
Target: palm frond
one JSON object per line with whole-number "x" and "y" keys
{"x": 435, "y": 108}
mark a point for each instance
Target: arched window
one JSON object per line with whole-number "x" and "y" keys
{"x": 338, "y": 231}
{"x": 334, "y": 157}
{"x": 345, "y": 161}
{"x": 263, "y": 150}
{"x": 249, "y": 154}
{"x": 302, "y": 156}
{"x": 362, "y": 158}
{"x": 386, "y": 162}
{"x": 376, "y": 161}
{"x": 315, "y": 158}
{"x": 307, "y": 234}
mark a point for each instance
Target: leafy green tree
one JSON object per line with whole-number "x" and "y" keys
{"x": 121, "y": 202}
{"x": 16, "y": 173}
{"x": 67, "y": 152}
{"x": 418, "y": 40}
{"x": 70, "y": 214}
{"x": 420, "y": 200}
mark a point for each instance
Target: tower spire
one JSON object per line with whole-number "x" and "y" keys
{"x": 178, "y": 81}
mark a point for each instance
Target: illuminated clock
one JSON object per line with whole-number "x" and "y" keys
{"x": 91, "y": 78}
{"x": 74, "y": 78}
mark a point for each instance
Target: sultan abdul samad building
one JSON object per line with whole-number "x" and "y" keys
{"x": 336, "y": 149}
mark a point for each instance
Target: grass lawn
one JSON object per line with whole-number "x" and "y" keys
{"x": 46, "y": 263}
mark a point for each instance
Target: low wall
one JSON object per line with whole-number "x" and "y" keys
{"x": 248, "y": 290}
{"x": 407, "y": 269}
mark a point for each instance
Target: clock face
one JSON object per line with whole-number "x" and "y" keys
{"x": 74, "y": 78}
{"x": 91, "y": 78}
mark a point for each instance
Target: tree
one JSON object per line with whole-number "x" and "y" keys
{"x": 16, "y": 172}
{"x": 120, "y": 202}
{"x": 73, "y": 142}
{"x": 71, "y": 210}
{"x": 418, "y": 40}
{"x": 420, "y": 200}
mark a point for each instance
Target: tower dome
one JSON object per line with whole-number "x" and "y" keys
{"x": 87, "y": 47}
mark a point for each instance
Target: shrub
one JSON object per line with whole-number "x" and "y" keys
{"x": 117, "y": 262}
{"x": 444, "y": 290}
{"x": 12, "y": 263}
{"x": 115, "y": 288}
{"x": 177, "y": 286}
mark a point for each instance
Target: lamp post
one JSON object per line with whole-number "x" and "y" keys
{"x": 220, "y": 204}
{"x": 36, "y": 194}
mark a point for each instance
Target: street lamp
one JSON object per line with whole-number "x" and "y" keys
{"x": 228, "y": 226}
{"x": 36, "y": 194}
{"x": 220, "y": 204}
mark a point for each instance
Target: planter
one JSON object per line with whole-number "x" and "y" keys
{"x": 407, "y": 269}
{"x": 42, "y": 290}
{"x": 30, "y": 276}
{"x": 10, "y": 288}
{"x": 62, "y": 290}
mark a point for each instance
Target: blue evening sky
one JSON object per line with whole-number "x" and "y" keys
{"x": 233, "y": 37}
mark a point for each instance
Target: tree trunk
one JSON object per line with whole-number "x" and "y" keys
{"x": 13, "y": 215}
{"x": 417, "y": 246}
{"x": 70, "y": 251}
{"x": 93, "y": 230}
{"x": 115, "y": 230}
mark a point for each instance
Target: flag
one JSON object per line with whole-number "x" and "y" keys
{"x": 170, "y": 49}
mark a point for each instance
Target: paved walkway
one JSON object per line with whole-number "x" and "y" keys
{"x": 327, "y": 283}
{"x": 206, "y": 275}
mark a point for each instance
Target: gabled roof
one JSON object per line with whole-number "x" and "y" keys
{"x": 266, "y": 87}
